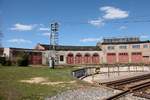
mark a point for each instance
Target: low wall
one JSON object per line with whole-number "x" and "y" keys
{"x": 87, "y": 71}
{"x": 84, "y": 72}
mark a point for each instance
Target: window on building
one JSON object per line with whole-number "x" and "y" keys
{"x": 145, "y": 46}
{"x": 123, "y": 53}
{"x": 135, "y": 46}
{"x": 61, "y": 58}
{"x": 110, "y": 47}
{"x": 111, "y": 54}
{"x": 145, "y": 56}
{"x": 136, "y": 53}
{"x": 123, "y": 47}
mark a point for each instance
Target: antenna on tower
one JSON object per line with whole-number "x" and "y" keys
{"x": 54, "y": 35}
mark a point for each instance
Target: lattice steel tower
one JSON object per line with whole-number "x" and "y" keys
{"x": 54, "y": 41}
{"x": 54, "y": 35}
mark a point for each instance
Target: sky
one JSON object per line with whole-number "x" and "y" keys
{"x": 25, "y": 23}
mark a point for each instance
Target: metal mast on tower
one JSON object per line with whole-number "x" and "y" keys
{"x": 54, "y": 40}
{"x": 54, "y": 34}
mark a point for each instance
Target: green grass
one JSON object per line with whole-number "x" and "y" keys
{"x": 12, "y": 89}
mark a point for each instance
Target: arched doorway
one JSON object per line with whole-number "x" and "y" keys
{"x": 95, "y": 58}
{"x": 87, "y": 58}
{"x": 70, "y": 58}
{"x": 78, "y": 58}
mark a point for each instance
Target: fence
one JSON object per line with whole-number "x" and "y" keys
{"x": 89, "y": 70}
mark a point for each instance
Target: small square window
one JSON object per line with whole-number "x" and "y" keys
{"x": 110, "y": 47}
{"x": 123, "y": 47}
{"x": 135, "y": 46}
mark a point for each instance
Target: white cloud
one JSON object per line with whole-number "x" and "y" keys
{"x": 144, "y": 36}
{"x": 44, "y": 29}
{"x": 19, "y": 41}
{"x": 22, "y": 27}
{"x": 97, "y": 22}
{"x": 46, "y": 34}
{"x": 110, "y": 13}
{"x": 90, "y": 39}
{"x": 114, "y": 13}
{"x": 122, "y": 27}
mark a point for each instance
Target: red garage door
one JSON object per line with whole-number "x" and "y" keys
{"x": 146, "y": 59}
{"x": 78, "y": 59}
{"x": 35, "y": 58}
{"x": 136, "y": 57}
{"x": 111, "y": 58}
{"x": 123, "y": 58}
{"x": 95, "y": 59}
{"x": 70, "y": 58}
{"x": 87, "y": 58}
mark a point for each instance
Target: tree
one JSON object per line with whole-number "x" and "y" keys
{"x": 22, "y": 60}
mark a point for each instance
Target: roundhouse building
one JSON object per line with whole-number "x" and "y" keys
{"x": 110, "y": 51}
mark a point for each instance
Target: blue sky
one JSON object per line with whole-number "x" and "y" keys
{"x": 82, "y": 22}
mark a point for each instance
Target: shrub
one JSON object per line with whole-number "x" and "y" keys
{"x": 5, "y": 62}
{"x": 2, "y": 60}
{"x": 8, "y": 63}
{"x": 23, "y": 60}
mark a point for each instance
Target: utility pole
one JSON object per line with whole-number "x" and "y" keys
{"x": 53, "y": 59}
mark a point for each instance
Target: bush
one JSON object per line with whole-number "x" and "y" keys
{"x": 5, "y": 62}
{"x": 23, "y": 61}
{"x": 8, "y": 63}
{"x": 2, "y": 60}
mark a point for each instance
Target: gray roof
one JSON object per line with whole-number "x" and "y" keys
{"x": 72, "y": 48}
{"x": 24, "y": 49}
{"x": 136, "y": 42}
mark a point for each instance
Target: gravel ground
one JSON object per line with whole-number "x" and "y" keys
{"x": 95, "y": 93}
{"x": 104, "y": 77}
{"x": 90, "y": 93}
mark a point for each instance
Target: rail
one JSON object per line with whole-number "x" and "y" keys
{"x": 131, "y": 88}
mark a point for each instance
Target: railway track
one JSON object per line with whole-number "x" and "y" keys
{"x": 116, "y": 83}
{"x": 129, "y": 85}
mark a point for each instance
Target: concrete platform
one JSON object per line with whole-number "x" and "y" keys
{"x": 108, "y": 77}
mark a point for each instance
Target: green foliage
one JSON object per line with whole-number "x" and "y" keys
{"x": 2, "y": 60}
{"x": 23, "y": 60}
{"x": 8, "y": 63}
{"x": 5, "y": 62}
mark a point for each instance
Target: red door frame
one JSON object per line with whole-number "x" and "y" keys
{"x": 70, "y": 58}
{"x": 95, "y": 58}
{"x": 78, "y": 58}
{"x": 123, "y": 57}
{"x": 136, "y": 57}
{"x": 111, "y": 58}
{"x": 87, "y": 58}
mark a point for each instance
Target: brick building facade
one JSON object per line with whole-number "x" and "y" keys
{"x": 110, "y": 51}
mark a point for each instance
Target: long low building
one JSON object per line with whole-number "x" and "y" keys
{"x": 35, "y": 56}
{"x": 110, "y": 51}
{"x": 72, "y": 54}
